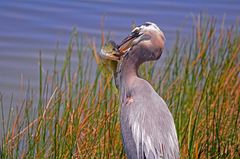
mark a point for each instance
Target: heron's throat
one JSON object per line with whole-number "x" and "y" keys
{"x": 129, "y": 70}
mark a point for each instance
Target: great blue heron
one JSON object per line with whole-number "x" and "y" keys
{"x": 147, "y": 126}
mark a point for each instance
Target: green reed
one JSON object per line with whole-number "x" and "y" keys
{"x": 77, "y": 114}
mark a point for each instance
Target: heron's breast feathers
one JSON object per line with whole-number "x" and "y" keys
{"x": 153, "y": 130}
{"x": 151, "y": 123}
{"x": 154, "y": 142}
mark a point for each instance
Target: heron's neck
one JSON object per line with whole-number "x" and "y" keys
{"x": 129, "y": 71}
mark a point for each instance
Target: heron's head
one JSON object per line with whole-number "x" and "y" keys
{"x": 146, "y": 42}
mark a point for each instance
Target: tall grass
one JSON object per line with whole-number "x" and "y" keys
{"x": 77, "y": 118}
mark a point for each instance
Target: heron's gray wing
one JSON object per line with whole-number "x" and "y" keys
{"x": 151, "y": 123}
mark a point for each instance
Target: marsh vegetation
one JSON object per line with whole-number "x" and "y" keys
{"x": 77, "y": 115}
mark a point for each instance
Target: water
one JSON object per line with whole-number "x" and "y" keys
{"x": 28, "y": 27}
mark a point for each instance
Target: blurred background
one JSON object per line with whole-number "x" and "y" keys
{"x": 28, "y": 28}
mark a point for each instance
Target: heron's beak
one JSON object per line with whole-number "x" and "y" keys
{"x": 127, "y": 42}
{"x": 118, "y": 51}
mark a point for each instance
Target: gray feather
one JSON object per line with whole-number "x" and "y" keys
{"x": 147, "y": 122}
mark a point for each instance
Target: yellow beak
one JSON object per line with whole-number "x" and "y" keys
{"x": 127, "y": 43}
{"x": 124, "y": 46}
